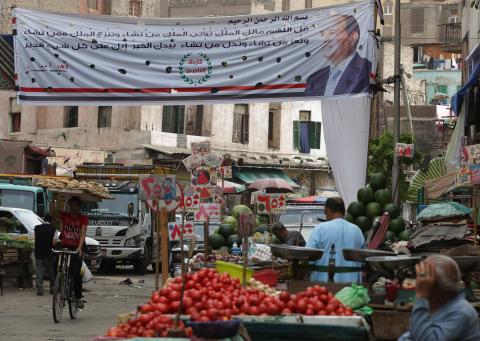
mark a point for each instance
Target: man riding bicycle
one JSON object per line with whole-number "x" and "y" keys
{"x": 72, "y": 236}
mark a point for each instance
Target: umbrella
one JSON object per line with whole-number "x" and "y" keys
{"x": 231, "y": 187}
{"x": 271, "y": 185}
{"x": 314, "y": 199}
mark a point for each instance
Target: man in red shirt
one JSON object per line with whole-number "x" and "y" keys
{"x": 72, "y": 236}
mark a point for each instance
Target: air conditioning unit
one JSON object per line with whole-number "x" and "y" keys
{"x": 454, "y": 20}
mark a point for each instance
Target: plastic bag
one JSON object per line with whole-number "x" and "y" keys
{"x": 85, "y": 273}
{"x": 353, "y": 297}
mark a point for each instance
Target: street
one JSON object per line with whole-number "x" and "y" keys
{"x": 25, "y": 316}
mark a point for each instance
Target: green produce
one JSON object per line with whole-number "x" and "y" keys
{"x": 226, "y": 248}
{"x": 234, "y": 239}
{"x": 258, "y": 221}
{"x": 349, "y": 217}
{"x": 240, "y": 209}
{"x": 390, "y": 237}
{"x": 226, "y": 230}
{"x": 373, "y": 209}
{"x": 216, "y": 241}
{"x": 383, "y": 197}
{"x": 397, "y": 226}
{"x": 230, "y": 221}
{"x": 262, "y": 229}
{"x": 378, "y": 181}
{"x": 275, "y": 240}
{"x": 363, "y": 222}
{"x": 365, "y": 195}
{"x": 356, "y": 209}
{"x": 405, "y": 235}
{"x": 392, "y": 210}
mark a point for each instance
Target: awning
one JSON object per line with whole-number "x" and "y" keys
{"x": 231, "y": 187}
{"x": 168, "y": 150}
{"x": 457, "y": 99}
{"x": 314, "y": 199}
{"x": 250, "y": 175}
{"x": 7, "y": 72}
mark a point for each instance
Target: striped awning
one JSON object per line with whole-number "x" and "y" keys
{"x": 7, "y": 69}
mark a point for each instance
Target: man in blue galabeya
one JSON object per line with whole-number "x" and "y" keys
{"x": 441, "y": 312}
{"x": 341, "y": 233}
{"x": 347, "y": 72}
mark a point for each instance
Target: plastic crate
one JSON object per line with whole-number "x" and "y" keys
{"x": 267, "y": 276}
{"x": 234, "y": 270}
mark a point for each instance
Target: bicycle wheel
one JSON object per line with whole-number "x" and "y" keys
{"x": 72, "y": 300}
{"x": 58, "y": 298}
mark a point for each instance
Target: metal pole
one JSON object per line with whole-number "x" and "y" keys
{"x": 396, "y": 100}
{"x": 406, "y": 102}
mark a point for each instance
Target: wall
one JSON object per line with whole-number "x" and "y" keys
{"x": 471, "y": 26}
{"x": 451, "y": 78}
{"x": 150, "y": 8}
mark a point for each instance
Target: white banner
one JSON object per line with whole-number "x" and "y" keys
{"x": 90, "y": 60}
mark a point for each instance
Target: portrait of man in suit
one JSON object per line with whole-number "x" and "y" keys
{"x": 347, "y": 72}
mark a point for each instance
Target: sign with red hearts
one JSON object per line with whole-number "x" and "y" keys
{"x": 208, "y": 211}
{"x": 175, "y": 231}
{"x": 191, "y": 199}
{"x": 170, "y": 205}
{"x": 271, "y": 203}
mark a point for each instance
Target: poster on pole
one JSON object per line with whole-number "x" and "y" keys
{"x": 210, "y": 212}
{"x": 78, "y": 59}
{"x": 175, "y": 231}
{"x": 157, "y": 188}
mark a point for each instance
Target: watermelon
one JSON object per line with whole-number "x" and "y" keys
{"x": 392, "y": 210}
{"x": 356, "y": 209}
{"x": 397, "y": 226}
{"x": 216, "y": 241}
{"x": 405, "y": 235}
{"x": 240, "y": 208}
{"x": 275, "y": 240}
{"x": 390, "y": 237}
{"x": 383, "y": 197}
{"x": 348, "y": 217}
{"x": 262, "y": 229}
{"x": 363, "y": 222}
{"x": 373, "y": 209}
{"x": 378, "y": 181}
{"x": 365, "y": 195}
{"x": 230, "y": 221}
{"x": 233, "y": 238}
{"x": 226, "y": 230}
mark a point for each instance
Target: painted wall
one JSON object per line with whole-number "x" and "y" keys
{"x": 434, "y": 78}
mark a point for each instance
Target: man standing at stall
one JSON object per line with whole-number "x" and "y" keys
{"x": 44, "y": 234}
{"x": 72, "y": 236}
{"x": 333, "y": 236}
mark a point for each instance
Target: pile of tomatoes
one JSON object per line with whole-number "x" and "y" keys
{"x": 147, "y": 325}
{"x": 211, "y": 296}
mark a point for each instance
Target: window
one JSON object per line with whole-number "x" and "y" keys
{"x": 417, "y": 54}
{"x": 11, "y": 223}
{"x": 104, "y": 117}
{"x": 15, "y": 113}
{"x": 274, "y": 125}
{"x": 173, "y": 119}
{"x": 306, "y": 135}
{"x": 305, "y": 115}
{"x": 41, "y": 207}
{"x": 270, "y": 126}
{"x": 70, "y": 117}
{"x": 135, "y": 8}
{"x": 194, "y": 120}
{"x": 92, "y": 4}
{"x": 285, "y": 5}
{"x": 388, "y": 8}
{"x": 308, "y": 3}
{"x": 240, "y": 123}
{"x": 416, "y": 20}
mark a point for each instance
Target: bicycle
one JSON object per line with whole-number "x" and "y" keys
{"x": 63, "y": 290}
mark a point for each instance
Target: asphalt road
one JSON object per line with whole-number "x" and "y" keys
{"x": 27, "y": 317}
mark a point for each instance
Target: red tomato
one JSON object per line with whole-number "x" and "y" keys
{"x": 323, "y": 298}
{"x": 174, "y": 306}
{"x": 190, "y": 284}
{"x": 322, "y": 313}
{"x": 187, "y": 302}
{"x": 284, "y": 296}
{"x": 195, "y": 295}
{"x": 334, "y": 302}
{"x": 301, "y": 306}
{"x": 291, "y": 305}
{"x": 330, "y": 308}
{"x": 174, "y": 296}
{"x": 273, "y": 310}
{"x": 286, "y": 311}
{"x": 162, "y": 308}
{"x": 254, "y": 311}
{"x": 309, "y": 312}
{"x": 245, "y": 308}
{"x": 319, "y": 306}
{"x": 178, "y": 280}
{"x": 146, "y": 308}
{"x": 175, "y": 287}
{"x": 155, "y": 297}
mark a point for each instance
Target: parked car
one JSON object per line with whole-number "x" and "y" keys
{"x": 24, "y": 222}
{"x": 312, "y": 216}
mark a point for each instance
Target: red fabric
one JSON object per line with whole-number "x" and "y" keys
{"x": 71, "y": 228}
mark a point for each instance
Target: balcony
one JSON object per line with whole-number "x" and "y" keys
{"x": 452, "y": 38}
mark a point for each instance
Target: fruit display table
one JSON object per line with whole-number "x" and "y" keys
{"x": 15, "y": 262}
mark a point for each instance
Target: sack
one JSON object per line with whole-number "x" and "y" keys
{"x": 85, "y": 273}
{"x": 353, "y": 297}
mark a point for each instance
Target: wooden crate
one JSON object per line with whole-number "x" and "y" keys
{"x": 8, "y": 255}
{"x": 390, "y": 324}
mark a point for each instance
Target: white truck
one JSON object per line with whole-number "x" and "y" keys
{"x": 122, "y": 226}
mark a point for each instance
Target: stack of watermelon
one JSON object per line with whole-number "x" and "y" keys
{"x": 374, "y": 200}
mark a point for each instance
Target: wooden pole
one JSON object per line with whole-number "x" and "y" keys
{"x": 245, "y": 261}
{"x": 164, "y": 241}
{"x": 182, "y": 254}
{"x": 223, "y": 197}
{"x": 157, "y": 258}
{"x": 205, "y": 234}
